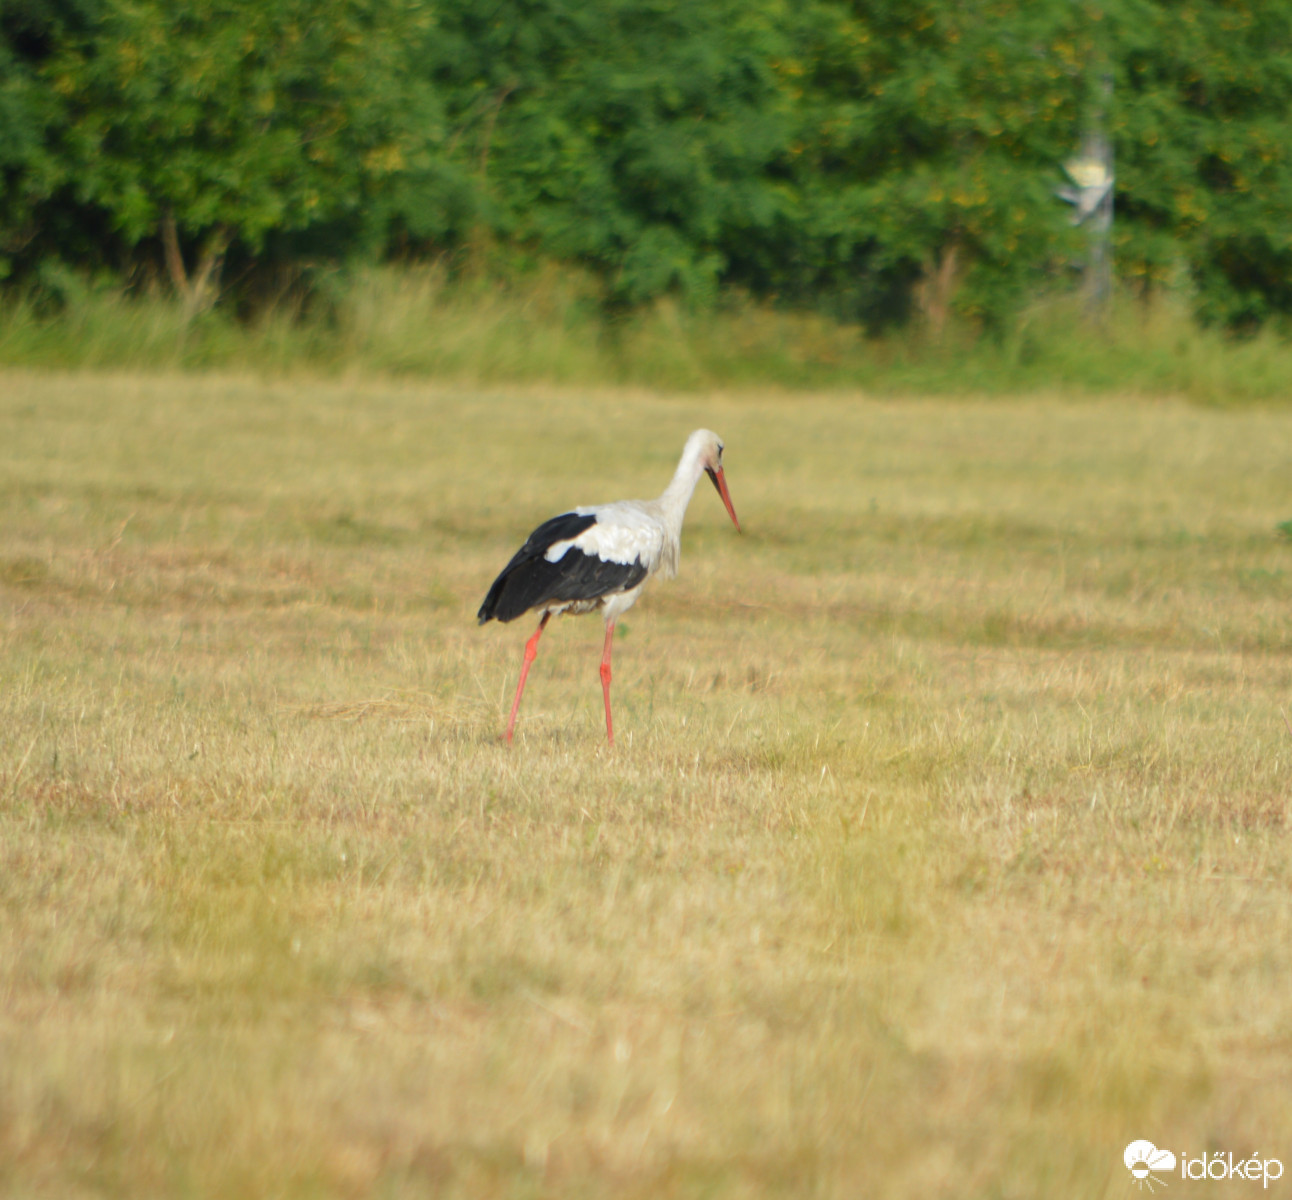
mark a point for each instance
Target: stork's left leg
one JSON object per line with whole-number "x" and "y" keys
{"x": 605, "y": 680}
{"x": 531, "y": 653}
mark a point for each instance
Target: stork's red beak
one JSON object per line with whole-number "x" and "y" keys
{"x": 720, "y": 482}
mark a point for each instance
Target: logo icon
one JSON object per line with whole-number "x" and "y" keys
{"x": 1143, "y": 1159}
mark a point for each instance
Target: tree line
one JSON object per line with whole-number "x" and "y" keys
{"x": 868, "y": 158}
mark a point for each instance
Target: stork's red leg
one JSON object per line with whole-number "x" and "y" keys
{"x": 605, "y": 680}
{"x": 531, "y": 653}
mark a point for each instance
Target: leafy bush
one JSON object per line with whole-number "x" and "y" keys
{"x": 871, "y": 160}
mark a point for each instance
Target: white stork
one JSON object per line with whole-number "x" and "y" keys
{"x": 599, "y": 557}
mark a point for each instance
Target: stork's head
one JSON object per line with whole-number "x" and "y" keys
{"x": 709, "y": 446}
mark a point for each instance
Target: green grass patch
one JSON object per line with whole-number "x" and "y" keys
{"x": 551, "y": 328}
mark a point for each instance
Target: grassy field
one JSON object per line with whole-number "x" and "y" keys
{"x": 944, "y": 851}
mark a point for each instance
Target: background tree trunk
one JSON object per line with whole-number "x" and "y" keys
{"x": 938, "y": 287}
{"x": 199, "y": 290}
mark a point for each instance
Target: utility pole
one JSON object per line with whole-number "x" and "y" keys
{"x": 1091, "y": 195}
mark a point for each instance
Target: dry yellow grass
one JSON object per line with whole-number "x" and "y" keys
{"x": 946, "y": 849}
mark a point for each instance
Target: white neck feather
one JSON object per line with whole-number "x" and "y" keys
{"x": 675, "y": 498}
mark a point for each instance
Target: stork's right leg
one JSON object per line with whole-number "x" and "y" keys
{"x": 531, "y": 653}
{"x": 605, "y": 679}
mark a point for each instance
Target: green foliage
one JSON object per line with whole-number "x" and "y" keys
{"x": 872, "y": 161}
{"x": 637, "y": 137}
{"x": 1204, "y": 141}
{"x": 816, "y": 154}
{"x": 30, "y": 172}
{"x": 244, "y": 121}
{"x": 930, "y": 138}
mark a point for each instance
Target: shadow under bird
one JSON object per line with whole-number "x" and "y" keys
{"x": 597, "y": 558}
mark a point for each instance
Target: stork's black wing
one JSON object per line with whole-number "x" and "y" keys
{"x": 530, "y": 581}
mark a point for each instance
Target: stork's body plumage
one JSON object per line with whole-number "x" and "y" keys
{"x": 599, "y": 557}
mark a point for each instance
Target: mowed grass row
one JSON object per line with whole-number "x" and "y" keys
{"x": 945, "y": 849}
